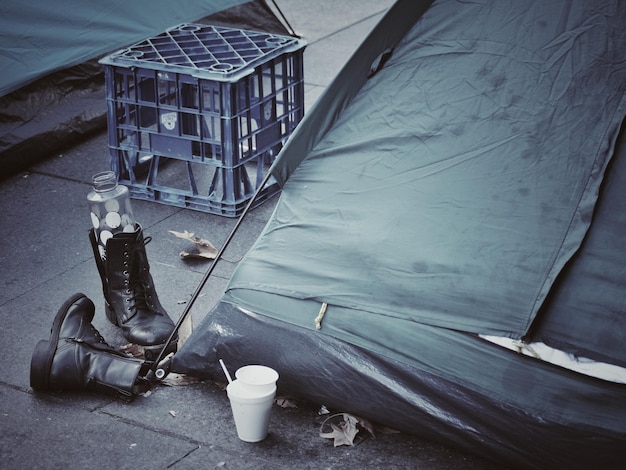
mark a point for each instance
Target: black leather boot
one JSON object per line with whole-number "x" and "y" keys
{"x": 131, "y": 301}
{"x": 76, "y": 357}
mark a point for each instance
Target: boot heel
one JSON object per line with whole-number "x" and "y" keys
{"x": 40, "y": 365}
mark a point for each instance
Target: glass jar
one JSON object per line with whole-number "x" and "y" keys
{"x": 111, "y": 210}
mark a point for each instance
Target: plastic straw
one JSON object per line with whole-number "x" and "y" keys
{"x": 225, "y": 371}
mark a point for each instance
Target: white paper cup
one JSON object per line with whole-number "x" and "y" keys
{"x": 251, "y": 410}
{"x": 259, "y": 378}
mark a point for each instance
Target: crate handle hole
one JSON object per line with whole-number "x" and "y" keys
{"x": 275, "y": 40}
{"x": 133, "y": 54}
{"x": 189, "y": 27}
{"x": 224, "y": 67}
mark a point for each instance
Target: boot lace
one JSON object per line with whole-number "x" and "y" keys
{"x": 100, "y": 342}
{"x": 98, "y": 336}
{"x": 139, "y": 282}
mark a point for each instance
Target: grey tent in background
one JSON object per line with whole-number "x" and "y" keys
{"x": 51, "y": 84}
{"x": 455, "y": 202}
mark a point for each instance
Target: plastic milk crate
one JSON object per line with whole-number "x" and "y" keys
{"x": 197, "y": 114}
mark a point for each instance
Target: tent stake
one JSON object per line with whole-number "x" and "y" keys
{"x": 159, "y": 372}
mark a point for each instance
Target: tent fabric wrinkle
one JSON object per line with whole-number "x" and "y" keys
{"x": 351, "y": 77}
{"x": 458, "y": 219}
{"x": 591, "y": 287}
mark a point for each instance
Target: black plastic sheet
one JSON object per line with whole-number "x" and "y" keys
{"x": 531, "y": 433}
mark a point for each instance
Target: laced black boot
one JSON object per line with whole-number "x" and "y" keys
{"x": 76, "y": 357}
{"x": 131, "y": 301}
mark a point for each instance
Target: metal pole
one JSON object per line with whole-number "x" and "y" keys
{"x": 159, "y": 372}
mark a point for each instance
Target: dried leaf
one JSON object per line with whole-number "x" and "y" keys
{"x": 201, "y": 248}
{"x": 343, "y": 435}
{"x": 366, "y": 425}
{"x": 138, "y": 351}
{"x": 222, "y": 385}
{"x": 133, "y": 350}
{"x": 285, "y": 402}
{"x": 177, "y": 380}
{"x": 184, "y": 235}
{"x": 343, "y": 427}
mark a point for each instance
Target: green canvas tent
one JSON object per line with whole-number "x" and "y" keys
{"x": 454, "y": 205}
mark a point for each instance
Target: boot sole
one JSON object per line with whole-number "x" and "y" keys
{"x": 41, "y": 361}
{"x": 40, "y": 365}
{"x": 151, "y": 351}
